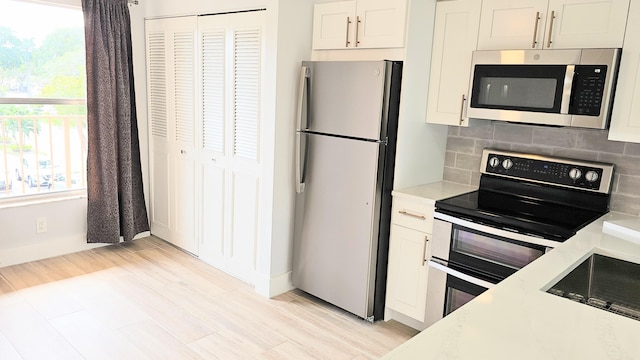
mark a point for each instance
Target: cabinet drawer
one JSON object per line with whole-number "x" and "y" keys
{"x": 413, "y": 213}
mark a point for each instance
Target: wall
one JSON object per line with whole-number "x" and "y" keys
{"x": 420, "y": 150}
{"x": 464, "y": 148}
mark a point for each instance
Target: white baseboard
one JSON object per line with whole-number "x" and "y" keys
{"x": 273, "y": 286}
{"x": 45, "y": 249}
{"x": 403, "y": 319}
{"x": 50, "y": 248}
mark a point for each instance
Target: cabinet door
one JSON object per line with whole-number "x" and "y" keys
{"x": 334, "y": 25}
{"x": 586, "y": 23}
{"x": 625, "y": 122}
{"x": 507, "y": 24}
{"x": 454, "y": 39}
{"x": 380, "y": 23}
{"x": 407, "y": 272}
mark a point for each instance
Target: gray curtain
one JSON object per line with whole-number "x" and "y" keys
{"x": 116, "y": 205}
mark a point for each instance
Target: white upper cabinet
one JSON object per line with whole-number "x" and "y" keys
{"x": 552, "y": 24}
{"x": 359, "y": 24}
{"x": 625, "y": 122}
{"x": 332, "y": 25}
{"x": 454, "y": 39}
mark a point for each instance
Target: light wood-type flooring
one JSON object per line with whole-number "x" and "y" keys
{"x": 148, "y": 300}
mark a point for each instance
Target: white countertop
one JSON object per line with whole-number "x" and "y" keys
{"x": 517, "y": 320}
{"x": 434, "y": 191}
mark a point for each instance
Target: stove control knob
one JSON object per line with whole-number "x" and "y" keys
{"x": 591, "y": 176}
{"x": 507, "y": 164}
{"x": 494, "y": 161}
{"x": 575, "y": 174}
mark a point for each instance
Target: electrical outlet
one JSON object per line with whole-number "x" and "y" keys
{"x": 41, "y": 225}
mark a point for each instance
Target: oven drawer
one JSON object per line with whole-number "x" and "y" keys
{"x": 413, "y": 213}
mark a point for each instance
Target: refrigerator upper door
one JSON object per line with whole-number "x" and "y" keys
{"x": 346, "y": 97}
{"x": 335, "y": 244}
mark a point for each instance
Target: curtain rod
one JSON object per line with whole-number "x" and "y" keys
{"x": 133, "y": 2}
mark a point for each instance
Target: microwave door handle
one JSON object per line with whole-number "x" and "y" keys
{"x": 566, "y": 90}
{"x": 439, "y": 265}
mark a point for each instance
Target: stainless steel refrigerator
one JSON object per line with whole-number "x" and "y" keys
{"x": 345, "y": 156}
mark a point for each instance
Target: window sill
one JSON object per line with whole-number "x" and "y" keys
{"x": 28, "y": 200}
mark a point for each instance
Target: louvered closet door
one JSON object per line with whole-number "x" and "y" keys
{"x": 159, "y": 153}
{"x": 247, "y": 39}
{"x": 231, "y": 63}
{"x": 212, "y": 31}
{"x": 183, "y": 113}
{"x": 171, "y": 71}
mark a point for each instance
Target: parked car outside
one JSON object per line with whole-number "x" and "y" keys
{"x": 38, "y": 175}
{"x": 6, "y": 180}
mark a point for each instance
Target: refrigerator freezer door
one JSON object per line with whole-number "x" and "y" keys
{"x": 335, "y": 238}
{"x": 346, "y": 97}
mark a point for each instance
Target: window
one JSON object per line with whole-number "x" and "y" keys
{"x": 43, "y": 111}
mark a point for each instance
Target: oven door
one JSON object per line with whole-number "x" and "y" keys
{"x": 449, "y": 289}
{"x": 467, "y": 258}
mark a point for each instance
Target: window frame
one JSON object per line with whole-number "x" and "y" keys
{"x": 61, "y": 195}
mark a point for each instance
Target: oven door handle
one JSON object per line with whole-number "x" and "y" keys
{"x": 434, "y": 263}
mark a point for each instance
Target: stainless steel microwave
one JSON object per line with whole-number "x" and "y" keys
{"x": 545, "y": 87}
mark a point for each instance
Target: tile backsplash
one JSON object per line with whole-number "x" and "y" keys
{"x": 464, "y": 150}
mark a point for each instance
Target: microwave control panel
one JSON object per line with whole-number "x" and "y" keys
{"x": 588, "y": 89}
{"x": 557, "y": 171}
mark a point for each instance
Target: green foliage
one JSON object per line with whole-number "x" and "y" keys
{"x": 13, "y": 51}
{"x": 14, "y": 127}
{"x": 55, "y": 69}
{"x": 27, "y": 68}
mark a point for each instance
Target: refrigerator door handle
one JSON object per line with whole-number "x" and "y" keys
{"x": 299, "y": 164}
{"x": 302, "y": 97}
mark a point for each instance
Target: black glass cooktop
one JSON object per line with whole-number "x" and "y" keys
{"x": 519, "y": 212}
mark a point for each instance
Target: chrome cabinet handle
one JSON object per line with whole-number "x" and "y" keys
{"x": 464, "y": 99}
{"x": 418, "y": 216}
{"x": 347, "y": 42}
{"x": 535, "y": 30}
{"x": 424, "y": 250}
{"x": 357, "y": 30}
{"x": 553, "y": 16}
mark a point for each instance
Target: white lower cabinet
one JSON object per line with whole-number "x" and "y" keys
{"x": 411, "y": 224}
{"x": 407, "y": 276}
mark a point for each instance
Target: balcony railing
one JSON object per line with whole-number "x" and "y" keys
{"x": 42, "y": 154}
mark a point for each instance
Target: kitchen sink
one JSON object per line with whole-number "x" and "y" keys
{"x": 605, "y": 283}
